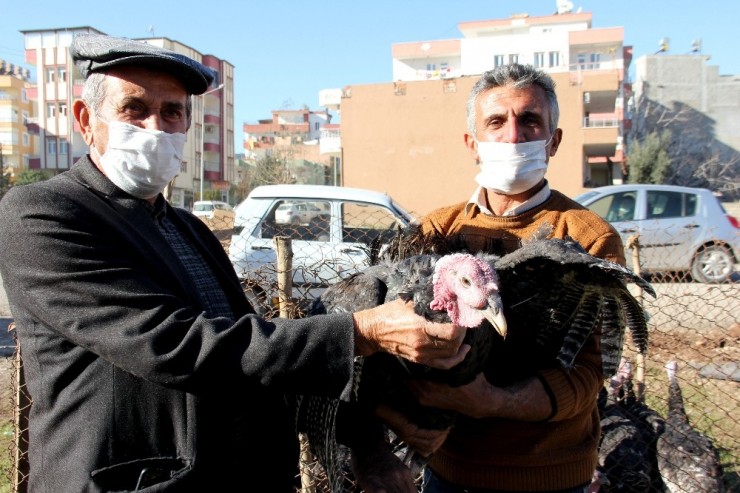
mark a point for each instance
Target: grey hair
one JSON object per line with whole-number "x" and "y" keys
{"x": 518, "y": 76}
{"x": 93, "y": 94}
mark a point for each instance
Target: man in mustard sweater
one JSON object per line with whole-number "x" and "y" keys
{"x": 541, "y": 433}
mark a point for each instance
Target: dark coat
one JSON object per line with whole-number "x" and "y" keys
{"x": 126, "y": 373}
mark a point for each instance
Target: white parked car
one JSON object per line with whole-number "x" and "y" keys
{"x": 298, "y": 213}
{"x": 208, "y": 208}
{"x": 328, "y": 244}
{"x": 681, "y": 229}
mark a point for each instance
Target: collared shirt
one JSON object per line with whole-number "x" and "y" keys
{"x": 213, "y": 299}
{"x": 479, "y": 198}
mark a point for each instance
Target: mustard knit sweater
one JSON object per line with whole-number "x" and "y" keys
{"x": 560, "y": 452}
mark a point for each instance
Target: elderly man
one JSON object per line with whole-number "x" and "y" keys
{"x": 147, "y": 367}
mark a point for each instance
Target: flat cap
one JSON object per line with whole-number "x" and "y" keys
{"x": 97, "y": 53}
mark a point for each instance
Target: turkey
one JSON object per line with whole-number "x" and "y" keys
{"x": 629, "y": 430}
{"x": 457, "y": 287}
{"x": 687, "y": 459}
{"x": 554, "y": 296}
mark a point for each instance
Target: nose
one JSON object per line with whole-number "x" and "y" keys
{"x": 514, "y": 134}
{"x": 152, "y": 122}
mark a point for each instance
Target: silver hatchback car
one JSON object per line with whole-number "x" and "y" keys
{"x": 681, "y": 229}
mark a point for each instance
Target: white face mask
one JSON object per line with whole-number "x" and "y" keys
{"x": 139, "y": 161}
{"x": 512, "y": 168}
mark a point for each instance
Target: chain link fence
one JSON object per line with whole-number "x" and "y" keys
{"x": 695, "y": 325}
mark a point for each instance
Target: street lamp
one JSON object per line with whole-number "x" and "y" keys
{"x": 203, "y": 134}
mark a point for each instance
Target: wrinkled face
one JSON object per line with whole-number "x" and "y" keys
{"x": 512, "y": 115}
{"x": 139, "y": 96}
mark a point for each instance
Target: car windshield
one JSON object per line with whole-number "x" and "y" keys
{"x": 202, "y": 207}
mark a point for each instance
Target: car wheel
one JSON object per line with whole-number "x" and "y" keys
{"x": 714, "y": 264}
{"x": 295, "y": 220}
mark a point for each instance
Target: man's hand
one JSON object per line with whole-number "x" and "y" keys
{"x": 424, "y": 442}
{"x": 395, "y": 328}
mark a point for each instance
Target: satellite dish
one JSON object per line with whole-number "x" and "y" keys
{"x": 696, "y": 45}
{"x": 564, "y": 6}
{"x": 664, "y": 44}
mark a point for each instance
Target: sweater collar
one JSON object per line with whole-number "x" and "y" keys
{"x": 478, "y": 199}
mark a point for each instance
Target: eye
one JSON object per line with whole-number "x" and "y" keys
{"x": 465, "y": 281}
{"x": 133, "y": 109}
{"x": 173, "y": 114}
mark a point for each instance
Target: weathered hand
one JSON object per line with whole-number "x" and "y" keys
{"x": 395, "y": 328}
{"x": 465, "y": 399}
{"x": 425, "y": 442}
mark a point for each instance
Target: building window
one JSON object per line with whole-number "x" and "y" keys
{"x": 498, "y": 60}
{"x": 24, "y": 95}
{"x": 61, "y": 74}
{"x": 316, "y": 126}
{"x": 51, "y": 110}
{"x": 554, "y": 59}
{"x": 582, "y": 61}
{"x": 595, "y": 61}
{"x": 49, "y": 75}
{"x": 539, "y": 59}
{"x": 431, "y": 67}
{"x": 63, "y": 146}
{"x": 513, "y": 59}
{"x": 26, "y": 139}
{"x": 51, "y": 146}
{"x": 62, "y": 109}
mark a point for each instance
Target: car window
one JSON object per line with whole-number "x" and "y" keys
{"x": 616, "y": 207}
{"x": 665, "y": 204}
{"x": 202, "y": 207}
{"x": 306, "y": 221}
{"x": 362, "y": 223}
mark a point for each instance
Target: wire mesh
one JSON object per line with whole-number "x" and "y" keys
{"x": 696, "y": 325}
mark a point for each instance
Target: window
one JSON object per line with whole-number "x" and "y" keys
{"x": 316, "y": 126}
{"x": 671, "y": 204}
{"x": 61, "y": 74}
{"x": 51, "y": 110}
{"x": 595, "y": 60}
{"x": 63, "y": 146}
{"x": 539, "y": 59}
{"x": 498, "y": 60}
{"x": 51, "y": 146}
{"x": 582, "y": 61}
{"x": 50, "y": 75}
{"x": 26, "y": 139}
{"x": 62, "y": 109}
{"x": 513, "y": 59}
{"x": 24, "y": 95}
{"x": 431, "y": 67}
{"x": 554, "y": 59}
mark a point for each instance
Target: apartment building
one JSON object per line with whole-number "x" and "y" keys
{"x": 299, "y": 136}
{"x": 412, "y": 128}
{"x": 209, "y": 151}
{"x": 18, "y": 128}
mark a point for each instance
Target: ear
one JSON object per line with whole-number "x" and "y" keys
{"x": 82, "y": 117}
{"x": 472, "y": 146}
{"x": 557, "y": 137}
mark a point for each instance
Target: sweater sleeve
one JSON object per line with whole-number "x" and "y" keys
{"x": 573, "y": 392}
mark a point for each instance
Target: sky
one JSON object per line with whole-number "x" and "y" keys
{"x": 285, "y": 52}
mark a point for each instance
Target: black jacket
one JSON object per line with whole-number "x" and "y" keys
{"x": 129, "y": 380}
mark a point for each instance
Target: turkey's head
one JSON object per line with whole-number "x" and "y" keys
{"x": 466, "y": 287}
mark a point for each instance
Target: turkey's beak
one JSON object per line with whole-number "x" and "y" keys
{"x": 494, "y": 313}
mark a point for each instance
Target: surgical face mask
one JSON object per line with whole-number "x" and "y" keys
{"x": 139, "y": 161}
{"x": 510, "y": 169}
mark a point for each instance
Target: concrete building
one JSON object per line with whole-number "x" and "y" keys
{"x": 18, "y": 128}
{"x": 299, "y": 136}
{"x": 411, "y": 129}
{"x": 210, "y": 142}
{"x": 686, "y": 95}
